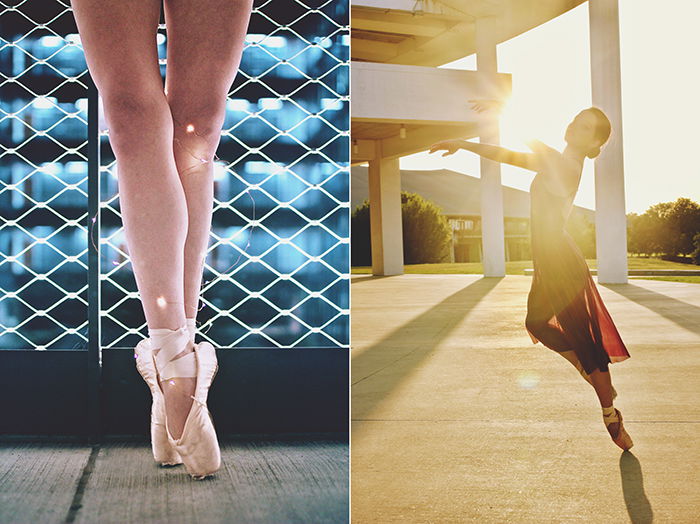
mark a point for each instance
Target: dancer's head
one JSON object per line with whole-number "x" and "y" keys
{"x": 589, "y": 131}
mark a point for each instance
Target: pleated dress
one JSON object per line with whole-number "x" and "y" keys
{"x": 564, "y": 309}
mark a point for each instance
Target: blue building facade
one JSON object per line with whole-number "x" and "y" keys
{"x": 277, "y": 270}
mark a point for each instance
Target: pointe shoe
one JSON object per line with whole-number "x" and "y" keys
{"x": 622, "y": 439}
{"x": 163, "y": 451}
{"x": 198, "y": 445}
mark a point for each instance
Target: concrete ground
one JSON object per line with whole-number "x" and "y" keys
{"x": 458, "y": 417}
{"x": 271, "y": 480}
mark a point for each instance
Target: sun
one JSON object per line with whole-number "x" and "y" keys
{"x": 516, "y": 125}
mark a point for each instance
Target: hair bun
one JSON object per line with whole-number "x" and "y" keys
{"x": 593, "y": 152}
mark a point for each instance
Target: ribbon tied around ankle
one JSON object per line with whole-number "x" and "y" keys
{"x": 172, "y": 343}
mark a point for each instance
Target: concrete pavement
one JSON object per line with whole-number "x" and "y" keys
{"x": 458, "y": 417}
{"x": 278, "y": 478}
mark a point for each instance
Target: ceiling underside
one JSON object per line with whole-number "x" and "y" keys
{"x": 432, "y": 33}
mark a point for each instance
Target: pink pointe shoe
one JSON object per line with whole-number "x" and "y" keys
{"x": 197, "y": 447}
{"x": 163, "y": 451}
{"x": 622, "y": 439}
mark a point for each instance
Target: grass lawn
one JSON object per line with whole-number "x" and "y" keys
{"x": 517, "y": 267}
{"x": 689, "y": 280}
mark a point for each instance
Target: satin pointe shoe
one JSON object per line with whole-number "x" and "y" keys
{"x": 197, "y": 446}
{"x": 163, "y": 451}
{"x": 622, "y": 439}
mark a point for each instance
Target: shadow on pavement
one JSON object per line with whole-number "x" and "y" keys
{"x": 419, "y": 337}
{"x": 685, "y": 315}
{"x": 638, "y": 506}
{"x": 355, "y": 280}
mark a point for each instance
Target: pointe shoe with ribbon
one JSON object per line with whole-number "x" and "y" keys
{"x": 198, "y": 445}
{"x": 622, "y": 439}
{"x": 163, "y": 451}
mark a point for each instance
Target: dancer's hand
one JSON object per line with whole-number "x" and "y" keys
{"x": 450, "y": 147}
{"x": 483, "y": 105}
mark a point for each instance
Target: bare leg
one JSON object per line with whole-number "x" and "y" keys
{"x": 573, "y": 358}
{"x": 551, "y": 337}
{"x": 120, "y": 49}
{"x": 119, "y": 39}
{"x": 205, "y": 43}
{"x": 603, "y": 388}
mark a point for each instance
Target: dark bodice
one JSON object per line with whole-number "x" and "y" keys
{"x": 549, "y": 212}
{"x": 547, "y": 209}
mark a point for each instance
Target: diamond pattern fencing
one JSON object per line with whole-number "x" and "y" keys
{"x": 277, "y": 270}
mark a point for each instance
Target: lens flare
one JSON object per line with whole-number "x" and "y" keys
{"x": 528, "y": 379}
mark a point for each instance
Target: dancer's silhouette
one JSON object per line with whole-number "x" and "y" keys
{"x": 564, "y": 309}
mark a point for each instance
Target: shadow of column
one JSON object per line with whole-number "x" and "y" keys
{"x": 420, "y": 336}
{"x": 638, "y": 505}
{"x": 355, "y": 280}
{"x": 681, "y": 313}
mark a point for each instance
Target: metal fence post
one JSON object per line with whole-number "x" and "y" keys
{"x": 94, "y": 367}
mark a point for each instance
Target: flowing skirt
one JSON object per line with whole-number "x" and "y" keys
{"x": 564, "y": 309}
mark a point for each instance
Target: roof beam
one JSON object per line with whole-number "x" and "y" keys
{"x": 399, "y": 23}
{"x": 434, "y": 7}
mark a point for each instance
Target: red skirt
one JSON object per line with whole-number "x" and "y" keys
{"x": 564, "y": 309}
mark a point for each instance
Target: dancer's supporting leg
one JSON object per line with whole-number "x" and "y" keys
{"x": 551, "y": 337}
{"x": 603, "y": 388}
{"x": 205, "y": 43}
{"x": 120, "y": 48}
{"x": 119, "y": 43}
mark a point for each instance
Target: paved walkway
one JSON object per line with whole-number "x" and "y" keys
{"x": 270, "y": 480}
{"x": 458, "y": 417}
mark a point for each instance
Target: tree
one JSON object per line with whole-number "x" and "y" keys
{"x": 667, "y": 228}
{"x": 683, "y": 218}
{"x": 696, "y": 253}
{"x": 642, "y": 233}
{"x": 360, "y": 248}
{"x": 426, "y": 232}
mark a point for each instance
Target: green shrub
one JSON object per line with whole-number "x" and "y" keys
{"x": 426, "y": 232}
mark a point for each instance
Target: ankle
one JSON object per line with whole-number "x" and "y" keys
{"x": 171, "y": 349}
{"x": 610, "y": 415}
{"x": 191, "y": 327}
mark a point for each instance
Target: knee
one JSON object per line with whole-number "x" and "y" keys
{"x": 532, "y": 324}
{"x": 198, "y": 128}
{"x": 129, "y": 111}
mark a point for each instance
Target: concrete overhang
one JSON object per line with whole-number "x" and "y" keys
{"x": 431, "y": 104}
{"x": 435, "y": 32}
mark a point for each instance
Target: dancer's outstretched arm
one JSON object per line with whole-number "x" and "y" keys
{"x": 490, "y": 151}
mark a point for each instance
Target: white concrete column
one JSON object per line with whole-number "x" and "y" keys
{"x": 386, "y": 233}
{"x": 492, "y": 233}
{"x": 610, "y": 218}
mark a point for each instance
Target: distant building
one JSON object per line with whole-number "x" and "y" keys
{"x": 403, "y": 101}
{"x": 459, "y": 197}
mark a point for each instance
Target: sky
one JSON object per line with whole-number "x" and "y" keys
{"x": 551, "y": 80}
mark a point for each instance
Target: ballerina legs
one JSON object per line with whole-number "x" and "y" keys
{"x": 164, "y": 141}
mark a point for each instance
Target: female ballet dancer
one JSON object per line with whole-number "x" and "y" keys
{"x": 564, "y": 309}
{"x": 164, "y": 141}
